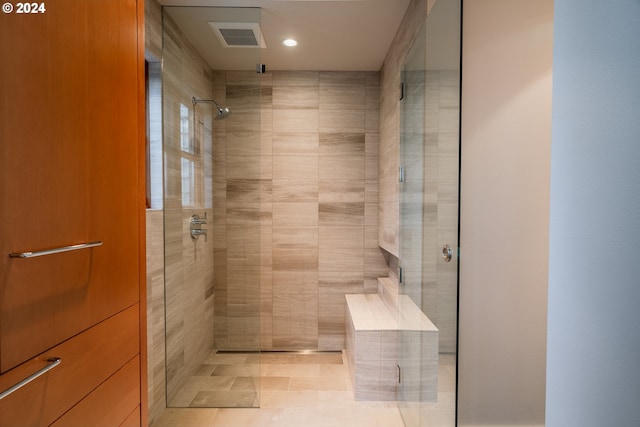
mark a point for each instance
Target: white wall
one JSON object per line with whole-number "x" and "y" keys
{"x": 506, "y": 133}
{"x": 593, "y": 376}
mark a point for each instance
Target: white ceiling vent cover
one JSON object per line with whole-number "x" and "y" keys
{"x": 238, "y": 34}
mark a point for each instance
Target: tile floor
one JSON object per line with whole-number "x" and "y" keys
{"x": 296, "y": 390}
{"x": 225, "y": 380}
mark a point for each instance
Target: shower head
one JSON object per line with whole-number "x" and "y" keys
{"x": 221, "y": 112}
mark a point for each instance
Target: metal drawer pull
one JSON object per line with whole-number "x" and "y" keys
{"x": 53, "y": 362}
{"x": 55, "y": 250}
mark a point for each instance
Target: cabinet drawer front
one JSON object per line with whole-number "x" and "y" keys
{"x": 88, "y": 359}
{"x": 51, "y": 299}
{"x": 110, "y": 404}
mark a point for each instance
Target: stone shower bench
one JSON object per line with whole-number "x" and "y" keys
{"x": 373, "y": 331}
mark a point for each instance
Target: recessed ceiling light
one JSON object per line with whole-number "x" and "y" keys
{"x": 290, "y": 42}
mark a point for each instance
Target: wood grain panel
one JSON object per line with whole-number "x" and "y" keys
{"x": 134, "y": 419}
{"x": 87, "y": 361}
{"x": 110, "y": 404}
{"x": 69, "y": 171}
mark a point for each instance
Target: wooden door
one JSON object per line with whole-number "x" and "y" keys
{"x": 68, "y": 170}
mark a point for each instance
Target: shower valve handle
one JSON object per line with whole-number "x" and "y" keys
{"x": 195, "y": 226}
{"x": 201, "y": 232}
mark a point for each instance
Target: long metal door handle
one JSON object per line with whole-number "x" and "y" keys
{"x": 55, "y": 250}
{"x": 53, "y": 362}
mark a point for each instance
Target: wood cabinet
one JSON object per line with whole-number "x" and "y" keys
{"x": 90, "y": 361}
{"x": 71, "y": 172}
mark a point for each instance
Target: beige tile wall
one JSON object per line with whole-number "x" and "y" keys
{"x": 307, "y": 179}
{"x": 239, "y": 212}
{"x": 153, "y": 30}
{"x": 155, "y": 313}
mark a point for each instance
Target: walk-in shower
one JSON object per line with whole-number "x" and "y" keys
{"x": 290, "y": 187}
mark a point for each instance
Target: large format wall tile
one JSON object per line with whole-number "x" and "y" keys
{"x": 348, "y": 191}
{"x": 341, "y": 214}
{"x": 318, "y": 183}
{"x": 295, "y": 190}
{"x": 295, "y": 167}
{"x": 155, "y": 313}
{"x": 295, "y": 97}
{"x": 295, "y": 120}
{"x": 342, "y": 144}
{"x": 295, "y": 143}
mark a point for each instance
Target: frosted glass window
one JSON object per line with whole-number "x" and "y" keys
{"x": 188, "y": 182}
{"x": 185, "y": 131}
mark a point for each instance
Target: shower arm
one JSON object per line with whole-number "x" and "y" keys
{"x": 195, "y": 101}
{"x": 222, "y": 112}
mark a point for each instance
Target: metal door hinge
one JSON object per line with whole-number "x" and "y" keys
{"x": 401, "y": 174}
{"x": 400, "y": 275}
{"x": 401, "y": 91}
{"x": 399, "y": 374}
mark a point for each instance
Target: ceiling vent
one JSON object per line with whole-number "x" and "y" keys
{"x": 238, "y": 34}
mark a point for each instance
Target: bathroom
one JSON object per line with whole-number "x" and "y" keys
{"x": 547, "y": 289}
{"x": 296, "y": 192}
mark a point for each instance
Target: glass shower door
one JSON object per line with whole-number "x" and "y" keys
{"x": 429, "y": 220}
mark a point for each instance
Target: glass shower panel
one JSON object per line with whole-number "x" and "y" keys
{"x": 412, "y": 201}
{"x": 429, "y": 220}
{"x": 212, "y": 211}
{"x": 412, "y": 151}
